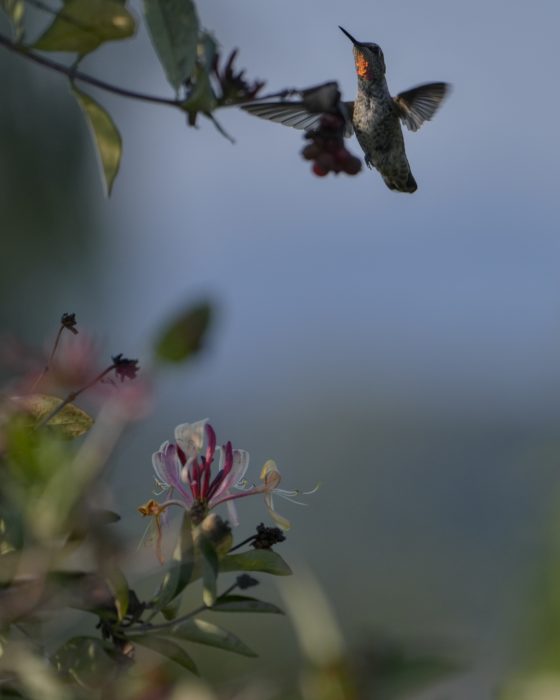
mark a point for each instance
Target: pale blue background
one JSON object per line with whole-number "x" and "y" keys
{"x": 403, "y": 350}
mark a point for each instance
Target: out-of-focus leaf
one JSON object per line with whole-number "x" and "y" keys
{"x": 171, "y": 611}
{"x": 70, "y": 421}
{"x": 106, "y": 136}
{"x": 207, "y": 50}
{"x": 82, "y": 591}
{"x": 15, "y": 9}
{"x": 83, "y": 25}
{"x": 210, "y": 568}
{"x": 181, "y": 569}
{"x": 173, "y": 27}
{"x": 264, "y": 560}
{"x": 85, "y": 660}
{"x": 166, "y": 648}
{"x": 185, "y": 335}
{"x": 406, "y": 675}
{"x": 38, "y": 679}
{"x": 119, "y": 588}
{"x": 242, "y": 603}
{"x": 11, "y": 530}
{"x": 202, "y": 632}
{"x": 102, "y": 516}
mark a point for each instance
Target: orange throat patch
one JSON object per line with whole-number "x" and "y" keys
{"x": 362, "y": 67}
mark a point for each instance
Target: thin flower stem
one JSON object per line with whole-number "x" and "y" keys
{"x": 166, "y": 625}
{"x": 173, "y": 502}
{"x": 241, "y": 544}
{"x": 235, "y": 496}
{"x": 51, "y": 357}
{"x": 73, "y": 396}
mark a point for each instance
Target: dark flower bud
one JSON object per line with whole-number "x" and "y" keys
{"x": 69, "y": 322}
{"x": 245, "y": 581}
{"x": 125, "y": 368}
{"x": 266, "y": 537}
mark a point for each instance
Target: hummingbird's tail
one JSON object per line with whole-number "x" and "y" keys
{"x": 409, "y": 185}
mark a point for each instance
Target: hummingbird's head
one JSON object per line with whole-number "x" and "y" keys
{"x": 370, "y": 64}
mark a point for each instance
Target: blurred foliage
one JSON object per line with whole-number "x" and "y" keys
{"x": 106, "y": 135}
{"x": 184, "y": 335}
{"x": 61, "y": 550}
{"x": 83, "y": 25}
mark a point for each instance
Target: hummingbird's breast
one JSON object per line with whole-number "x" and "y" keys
{"x": 377, "y": 126}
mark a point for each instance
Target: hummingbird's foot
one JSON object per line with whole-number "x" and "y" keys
{"x": 368, "y": 162}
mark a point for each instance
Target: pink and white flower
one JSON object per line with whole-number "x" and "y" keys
{"x": 184, "y": 470}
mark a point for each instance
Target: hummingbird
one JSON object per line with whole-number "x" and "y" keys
{"x": 374, "y": 116}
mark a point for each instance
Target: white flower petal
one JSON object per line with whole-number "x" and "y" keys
{"x": 232, "y": 512}
{"x": 283, "y": 523}
{"x": 159, "y": 466}
{"x": 190, "y": 437}
{"x": 167, "y": 468}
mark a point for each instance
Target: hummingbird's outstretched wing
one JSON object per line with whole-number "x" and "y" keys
{"x": 419, "y": 104}
{"x": 293, "y": 114}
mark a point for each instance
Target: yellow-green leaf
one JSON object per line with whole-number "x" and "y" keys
{"x": 82, "y": 25}
{"x": 166, "y": 648}
{"x": 15, "y": 9}
{"x": 119, "y": 588}
{"x": 203, "y": 632}
{"x": 70, "y": 421}
{"x": 264, "y": 560}
{"x": 106, "y": 135}
{"x": 181, "y": 570}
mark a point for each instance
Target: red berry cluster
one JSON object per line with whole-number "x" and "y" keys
{"x": 327, "y": 149}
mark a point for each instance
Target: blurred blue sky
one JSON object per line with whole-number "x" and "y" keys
{"x": 403, "y": 350}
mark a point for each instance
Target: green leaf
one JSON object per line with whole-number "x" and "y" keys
{"x": 242, "y": 603}
{"x": 181, "y": 569}
{"x": 185, "y": 335}
{"x": 167, "y": 648}
{"x": 173, "y": 27}
{"x": 202, "y": 97}
{"x": 171, "y": 611}
{"x": 210, "y": 568}
{"x": 119, "y": 588}
{"x": 15, "y": 9}
{"x": 203, "y": 632}
{"x": 264, "y": 560}
{"x": 83, "y": 25}
{"x": 86, "y": 661}
{"x": 106, "y": 135}
{"x": 70, "y": 421}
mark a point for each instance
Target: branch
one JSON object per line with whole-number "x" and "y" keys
{"x": 74, "y": 74}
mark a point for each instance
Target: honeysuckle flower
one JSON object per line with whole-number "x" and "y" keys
{"x": 184, "y": 470}
{"x": 181, "y": 468}
{"x": 270, "y": 476}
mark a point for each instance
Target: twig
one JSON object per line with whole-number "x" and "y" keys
{"x": 166, "y": 625}
{"x": 72, "y": 396}
{"x": 74, "y": 74}
{"x": 84, "y": 77}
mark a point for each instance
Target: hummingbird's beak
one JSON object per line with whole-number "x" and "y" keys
{"x": 356, "y": 43}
